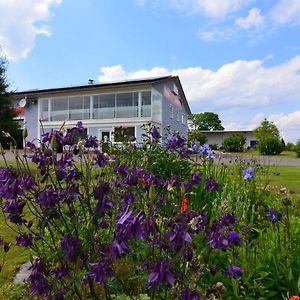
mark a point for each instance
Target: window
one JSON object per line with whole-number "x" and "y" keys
{"x": 171, "y": 112}
{"x": 178, "y": 116}
{"x": 104, "y": 106}
{"x": 79, "y": 108}
{"x": 127, "y": 105}
{"x": 183, "y": 119}
{"x": 59, "y": 109}
{"x": 123, "y": 134}
{"x": 146, "y": 104}
{"x": 45, "y": 110}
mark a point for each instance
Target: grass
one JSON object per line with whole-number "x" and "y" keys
{"x": 284, "y": 154}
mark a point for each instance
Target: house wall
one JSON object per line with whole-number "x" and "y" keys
{"x": 32, "y": 121}
{"x": 216, "y": 138}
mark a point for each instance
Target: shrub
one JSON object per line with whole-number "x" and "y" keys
{"x": 297, "y": 148}
{"x": 270, "y": 145}
{"x": 289, "y": 146}
{"x": 197, "y": 136}
{"x": 234, "y": 143}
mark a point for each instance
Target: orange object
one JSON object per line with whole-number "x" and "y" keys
{"x": 184, "y": 204}
{"x": 294, "y": 298}
{"x": 143, "y": 181}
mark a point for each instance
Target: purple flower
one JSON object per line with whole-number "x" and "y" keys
{"x": 188, "y": 294}
{"x": 48, "y": 198}
{"x": 178, "y": 236}
{"x": 187, "y": 253}
{"x": 211, "y": 184}
{"x": 27, "y": 182}
{"x": 101, "y": 159}
{"x": 24, "y": 240}
{"x": 155, "y": 133}
{"x": 175, "y": 141}
{"x": 39, "y": 285}
{"x": 161, "y": 274}
{"x": 61, "y": 272}
{"x": 206, "y": 151}
{"x": 118, "y": 248}
{"x": 79, "y": 125}
{"x": 228, "y": 220}
{"x": 234, "y": 271}
{"x": 91, "y": 142}
{"x": 71, "y": 247}
{"x": 103, "y": 206}
{"x": 248, "y": 173}
{"x": 15, "y": 209}
{"x": 101, "y": 271}
{"x": 274, "y": 215}
{"x": 234, "y": 238}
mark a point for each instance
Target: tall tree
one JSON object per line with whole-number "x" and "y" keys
{"x": 266, "y": 129}
{"x": 206, "y": 121}
{"x": 7, "y": 112}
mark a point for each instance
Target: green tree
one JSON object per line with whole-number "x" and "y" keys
{"x": 234, "y": 143}
{"x": 206, "y": 121}
{"x": 297, "y": 148}
{"x": 7, "y": 112}
{"x": 266, "y": 129}
{"x": 196, "y": 135}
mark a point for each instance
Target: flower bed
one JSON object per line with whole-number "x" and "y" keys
{"x": 148, "y": 223}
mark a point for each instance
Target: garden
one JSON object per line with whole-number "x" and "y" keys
{"x": 147, "y": 222}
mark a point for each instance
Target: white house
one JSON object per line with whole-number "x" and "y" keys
{"x": 104, "y": 108}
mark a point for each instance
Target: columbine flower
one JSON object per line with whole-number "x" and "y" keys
{"x": 188, "y": 294}
{"x": 48, "y": 198}
{"x": 100, "y": 271}
{"x": 234, "y": 271}
{"x": 274, "y": 215}
{"x": 161, "y": 274}
{"x": 248, "y": 173}
{"x": 155, "y": 133}
{"x": 211, "y": 184}
{"x": 175, "y": 141}
{"x": 70, "y": 246}
{"x": 234, "y": 238}
{"x": 24, "y": 240}
{"x": 15, "y": 209}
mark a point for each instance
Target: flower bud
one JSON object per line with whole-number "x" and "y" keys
{"x": 53, "y": 143}
{"x": 152, "y": 193}
{"x": 25, "y": 133}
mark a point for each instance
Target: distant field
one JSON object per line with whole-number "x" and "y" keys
{"x": 284, "y": 154}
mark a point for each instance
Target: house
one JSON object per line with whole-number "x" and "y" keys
{"x": 217, "y": 137}
{"x": 107, "y": 109}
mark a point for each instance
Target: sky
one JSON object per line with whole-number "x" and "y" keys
{"x": 237, "y": 58}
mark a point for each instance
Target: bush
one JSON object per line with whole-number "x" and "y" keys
{"x": 270, "y": 145}
{"x": 197, "y": 136}
{"x": 234, "y": 143}
{"x": 297, "y": 148}
{"x": 289, "y": 147}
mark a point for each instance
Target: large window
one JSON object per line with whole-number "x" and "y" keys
{"x": 59, "y": 109}
{"x": 103, "y": 106}
{"x": 79, "y": 107}
{"x": 146, "y": 104}
{"x": 127, "y": 105}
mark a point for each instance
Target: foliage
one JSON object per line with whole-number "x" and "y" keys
{"x": 289, "y": 146}
{"x": 297, "y": 148}
{"x": 266, "y": 129}
{"x": 270, "y": 145}
{"x": 197, "y": 136}
{"x": 148, "y": 223}
{"x": 234, "y": 143}
{"x": 7, "y": 125}
{"x": 206, "y": 121}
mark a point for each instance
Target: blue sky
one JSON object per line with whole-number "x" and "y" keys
{"x": 238, "y": 58}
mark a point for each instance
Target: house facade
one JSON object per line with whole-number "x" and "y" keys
{"x": 217, "y": 137}
{"x": 107, "y": 108}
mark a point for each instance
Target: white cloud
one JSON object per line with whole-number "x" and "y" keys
{"x": 286, "y": 11}
{"x": 140, "y": 2}
{"x": 239, "y": 86}
{"x": 254, "y": 19}
{"x": 215, "y": 35}
{"x": 21, "y": 22}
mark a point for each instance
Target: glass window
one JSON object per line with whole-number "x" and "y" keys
{"x": 146, "y": 104}
{"x": 59, "y": 109}
{"x": 123, "y": 134}
{"x": 45, "y": 110}
{"x": 104, "y": 106}
{"x": 171, "y": 112}
{"x": 127, "y": 105}
{"x": 79, "y": 107}
{"x": 178, "y": 116}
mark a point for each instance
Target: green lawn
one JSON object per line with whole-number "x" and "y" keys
{"x": 284, "y": 154}
{"x": 286, "y": 176}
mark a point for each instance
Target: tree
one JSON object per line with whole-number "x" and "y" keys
{"x": 196, "y": 135}
{"x": 266, "y": 129}
{"x": 7, "y": 112}
{"x": 234, "y": 143}
{"x": 206, "y": 121}
{"x": 297, "y": 148}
